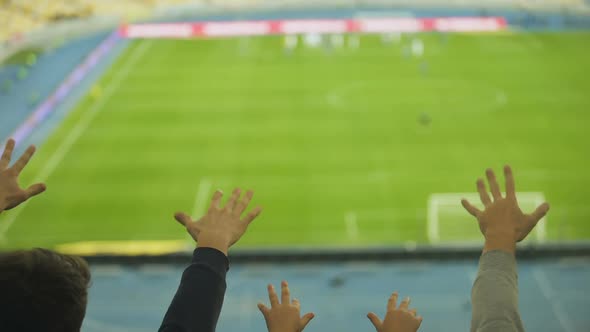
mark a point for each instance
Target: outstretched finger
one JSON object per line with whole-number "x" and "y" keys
{"x": 494, "y": 187}
{"x": 419, "y": 319}
{"x": 375, "y": 320}
{"x": 7, "y": 154}
{"x": 483, "y": 194}
{"x": 35, "y": 189}
{"x": 182, "y": 218}
{"x": 24, "y": 159}
{"x": 233, "y": 200}
{"x": 510, "y": 187}
{"x": 263, "y": 309}
{"x": 305, "y": 320}
{"x": 540, "y": 211}
{"x": 243, "y": 203}
{"x": 272, "y": 296}
{"x": 538, "y": 214}
{"x": 252, "y": 215}
{"x": 405, "y": 303}
{"x": 285, "y": 293}
{"x": 470, "y": 208}
{"x": 216, "y": 200}
{"x": 392, "y": 302}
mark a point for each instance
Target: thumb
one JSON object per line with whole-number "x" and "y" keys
{"x": 419, "y": 318}
{"x": 263, "y": 309}
{"x": 35, "y": 189}
{"x": 532, "y": 220}
{"x": 470, "y": 208}
{"x": 182, "y": 218}
{"x": 539, "y": 213}
{"x": 306, "y": 319}
{"x": 375, "y": 320}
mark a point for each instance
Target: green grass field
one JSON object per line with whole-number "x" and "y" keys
{"x": 333, "y": 144}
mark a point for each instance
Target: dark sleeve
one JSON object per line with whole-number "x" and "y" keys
{"x": 198, "y": 300}
{"x": 495, "y": 294}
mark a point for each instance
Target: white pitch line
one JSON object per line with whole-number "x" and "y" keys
{"x": 77, "y": 131}
{"x": 201, "y": 198}
{"x": 351, "y": 225}
{"x": 547, "y": 291}
{"x": 432, "y": 226}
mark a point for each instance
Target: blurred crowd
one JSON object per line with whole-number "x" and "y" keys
{"x": 19, "y": 17}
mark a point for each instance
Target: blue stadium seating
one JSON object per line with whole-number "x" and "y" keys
{"x": 553, "y": 295}
{"x": 49, "y": 71}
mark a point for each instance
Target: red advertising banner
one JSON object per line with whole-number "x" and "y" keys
{"x": 321, "y": 26}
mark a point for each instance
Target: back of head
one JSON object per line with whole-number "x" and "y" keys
{"x": 41, "y": 290}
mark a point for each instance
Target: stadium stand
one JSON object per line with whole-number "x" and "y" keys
{"x": 24, "y": 16}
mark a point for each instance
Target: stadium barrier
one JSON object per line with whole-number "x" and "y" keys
{"x": 352, "y": 254}
{"x": 278, "y": 27}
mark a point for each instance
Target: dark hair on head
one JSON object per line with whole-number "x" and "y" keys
{"x": 42, "y": 290}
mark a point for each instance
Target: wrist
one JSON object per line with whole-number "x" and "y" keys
{"x": 213, "y": 241}
{"x": 282, "y": 329}
{"x": 504, "y": 242}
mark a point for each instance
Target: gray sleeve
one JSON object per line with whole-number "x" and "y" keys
{"x": 494, "y": 296}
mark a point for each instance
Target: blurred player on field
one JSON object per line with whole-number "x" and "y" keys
{"x": 390, "y": 38}
{"x": 290, "y": 44}
{"x": 337, "y": 40}
{"x": 417, "y": 47}
{"x": 354, "y": 41}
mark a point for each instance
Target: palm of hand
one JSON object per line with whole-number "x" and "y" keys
{"x": 399, "y": 320}
{"x": 11, "y": 194}
{"x": 231, "y": 229}
{"x": 502, "y": 215}
{"x": 285, "y": 317}
{"x": 224, "y": 224}
{"x": 10, "y": 191}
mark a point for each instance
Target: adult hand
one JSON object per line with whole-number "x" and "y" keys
{"x": 11, "y": 194}
{"x": 502, "y": 222}
{"x": 397, "y": 319}
{"x": 221, "y": 227}
{"x": 284, "y": 316}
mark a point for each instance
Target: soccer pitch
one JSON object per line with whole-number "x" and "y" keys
{"x": 342, "y": 147}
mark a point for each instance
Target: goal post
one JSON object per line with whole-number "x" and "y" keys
{"x": 448, "y": 222}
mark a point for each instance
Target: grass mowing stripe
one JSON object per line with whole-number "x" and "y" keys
{"x": 76, "y": 132}
{"x": 201, "y": 198}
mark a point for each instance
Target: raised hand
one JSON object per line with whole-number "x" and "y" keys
{"x": 221, "y": 227}
{"x": 502, "y": 218}
{"x": 397, "y": 319}
{"x": 11, "y": 194}
{"x": 283, "y": 316}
